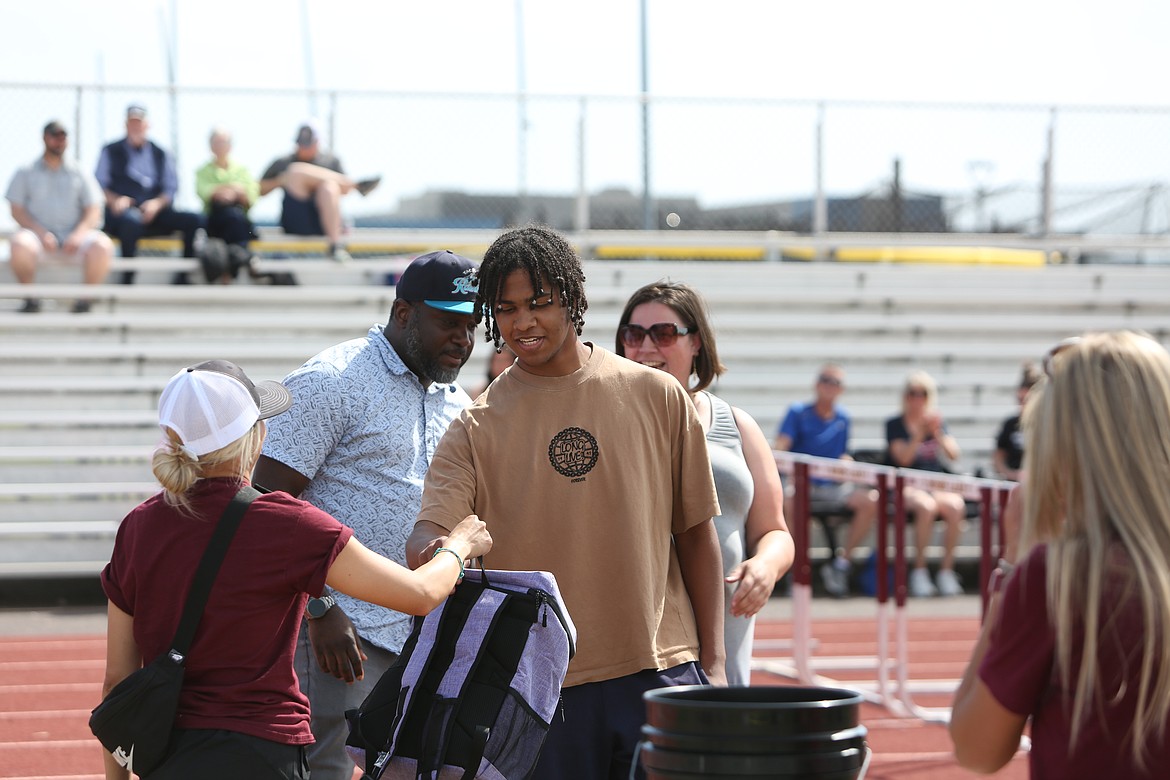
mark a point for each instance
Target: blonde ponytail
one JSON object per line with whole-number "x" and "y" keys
{"x": 177, "y": 468}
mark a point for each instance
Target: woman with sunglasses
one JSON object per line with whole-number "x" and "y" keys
{"x": 918, "y": 439}
{"x": 1078, "y": 636}
{"x": 665, "y": 326}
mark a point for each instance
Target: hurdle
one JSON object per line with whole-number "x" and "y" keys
{"x": 890, "y": 687}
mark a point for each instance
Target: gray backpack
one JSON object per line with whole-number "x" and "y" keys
{"x": 476, "y": 686}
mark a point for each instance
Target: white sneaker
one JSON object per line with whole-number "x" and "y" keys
{"x": 920, "y": 584}
{"x": 835, "y": 577}
{"x": 341, "y": 256}
{"x": 948, "y": 583}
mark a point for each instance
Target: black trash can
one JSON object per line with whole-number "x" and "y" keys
{"x": 700, "y": 731}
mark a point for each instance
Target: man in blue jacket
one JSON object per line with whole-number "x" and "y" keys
{"x": 139, "y": 181}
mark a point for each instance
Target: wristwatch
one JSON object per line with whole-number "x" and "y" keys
{"x": 317, "y": 607}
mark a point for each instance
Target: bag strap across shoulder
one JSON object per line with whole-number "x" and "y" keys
{"x": 209, "y": 567}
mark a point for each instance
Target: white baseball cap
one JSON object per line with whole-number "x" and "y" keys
{"x": 212, "y": 404}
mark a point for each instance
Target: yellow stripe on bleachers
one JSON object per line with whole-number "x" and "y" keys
{"x": 945, "y": 255}
{"x": 682, "y": 252}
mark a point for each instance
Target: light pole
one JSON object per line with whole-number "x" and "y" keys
{"x": 307, "y": 57}
{"x": 648, "y": 220}
{"x": 522, "y": 119}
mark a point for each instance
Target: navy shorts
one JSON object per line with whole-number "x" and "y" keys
{"x": 300, "y": 217}
{"x": 602, "y": 725}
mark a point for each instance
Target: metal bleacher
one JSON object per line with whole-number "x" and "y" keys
{"x": 78, "y": 391}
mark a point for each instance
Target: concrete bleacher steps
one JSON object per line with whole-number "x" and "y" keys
{"x": 78, "y": 392}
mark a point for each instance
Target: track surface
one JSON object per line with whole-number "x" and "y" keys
{"x": 51, "y": 669}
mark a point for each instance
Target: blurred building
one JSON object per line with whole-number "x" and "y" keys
{"x": 621, "y": 209}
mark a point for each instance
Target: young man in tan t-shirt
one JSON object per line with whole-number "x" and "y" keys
{"x": 594, "y": 468}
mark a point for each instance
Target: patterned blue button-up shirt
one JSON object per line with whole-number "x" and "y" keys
{"x": 363, "y": 430}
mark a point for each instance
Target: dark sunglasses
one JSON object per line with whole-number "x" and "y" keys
{"x": 663, "y": 334}
{"x": 57, "y": 133}
{"x": 831, "y": 381}
{"x": 916, "y": 393}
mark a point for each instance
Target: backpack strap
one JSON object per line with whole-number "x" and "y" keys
{"x": 208, "y": 567}
{"x": 479, "y": 744}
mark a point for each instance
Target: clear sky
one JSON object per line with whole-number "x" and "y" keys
{"x": 1002, "y": 51}
{"x": 1046, "y": 51}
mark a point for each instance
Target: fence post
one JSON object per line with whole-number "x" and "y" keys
{"x": 581, "y": 215}
{"x": 1046, "y": 203}
{"x": 332, "y": 119}
{"x": 802, "y": 568}
{"x": 820, "y": 215}
{"x": 986, "y": 521}
{"x": 882, "y": 565}
{"x": 899, "y": 540}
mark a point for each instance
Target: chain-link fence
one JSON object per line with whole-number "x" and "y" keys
{"x": 485, "y": 161}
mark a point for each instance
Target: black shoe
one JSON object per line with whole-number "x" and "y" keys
{"x": 31, "y": 306}
{"x": 82, "y": 306}
{"x": 366, "y": 186}
{"x": 127, "y": 277}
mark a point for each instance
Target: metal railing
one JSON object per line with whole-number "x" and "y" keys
{"x": 800, "y": 166}
{"x": 894, "y": 694}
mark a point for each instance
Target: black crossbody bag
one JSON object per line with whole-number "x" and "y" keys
{"x": 134, "y": 722}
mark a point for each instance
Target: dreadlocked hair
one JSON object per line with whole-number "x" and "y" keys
{"x": 542, "y": 252}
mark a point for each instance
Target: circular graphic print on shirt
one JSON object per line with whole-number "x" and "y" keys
{"x": 573, "y": 452}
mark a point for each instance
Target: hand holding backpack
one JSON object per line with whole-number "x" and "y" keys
{"x": 476, "y": 686}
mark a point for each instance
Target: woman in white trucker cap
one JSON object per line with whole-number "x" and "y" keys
{"x": 241, "y": 712}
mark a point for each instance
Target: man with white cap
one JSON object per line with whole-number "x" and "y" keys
{"x": 313, "y": 183}
{"x": 357, "y": 443}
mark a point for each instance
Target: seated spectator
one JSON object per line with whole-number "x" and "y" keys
{"x": 821, "y": 428}
{"x": 139, "y": 181}
{"x": 1008, "y": 459}
{"x": 313, "y": 183}
{"x": 918, "y": 439}
{"x": 227, "y": 190}
{"x": 58, "y": 207}
{"x": 1009, "y": 444}
{"x": 1077, "y": 639}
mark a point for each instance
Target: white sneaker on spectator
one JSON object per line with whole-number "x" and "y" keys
{"x": 948, "y": 583}
{"x": 835, "y": 577}
{"x": 920, "y": 584}
{"x": 341, "y": 256}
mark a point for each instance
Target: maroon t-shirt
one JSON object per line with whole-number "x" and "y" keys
{"x": 1020, "y": 672}
{"x": 240, "y": 666}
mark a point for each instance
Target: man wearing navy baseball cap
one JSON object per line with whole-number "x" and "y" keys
{"x": 357, "y": 443}
{"x": 442, "y": 280}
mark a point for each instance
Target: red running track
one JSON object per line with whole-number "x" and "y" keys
{"x": 48, "y": 684}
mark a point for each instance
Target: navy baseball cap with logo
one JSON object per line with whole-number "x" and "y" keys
{"x": 442, "y": 280}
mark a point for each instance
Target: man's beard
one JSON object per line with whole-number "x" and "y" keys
{"x": 428, "y": 364}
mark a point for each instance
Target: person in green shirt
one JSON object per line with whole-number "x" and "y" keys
{"x": 227, "y": 190}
